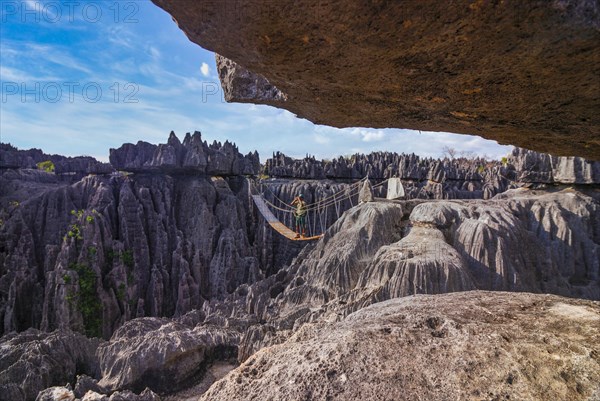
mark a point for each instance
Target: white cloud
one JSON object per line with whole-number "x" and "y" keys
{"x": 16, "y": 75}
{"x": 372, "y": 136}
{"x": 321, "y": 139}
{"x": 205, "y": 70}
{"x": 155, "y": 53}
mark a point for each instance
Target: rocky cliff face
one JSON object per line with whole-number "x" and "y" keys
{"x": 460, "y": 178}
{"x": 191, "y": 156}
{"x": 164, "y": 240}
{"x": 32, "y": 361}
{"x": 542, "y": 168}
{"x": 423, "y": 178}
{"x": 134, "y": 246}
{"x": 522, "y": 73}
{"x": 11, "y": 157}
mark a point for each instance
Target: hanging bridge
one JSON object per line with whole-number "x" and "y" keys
{"x": 280, "y": 214}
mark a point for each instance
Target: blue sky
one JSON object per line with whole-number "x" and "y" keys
{"x": 80, "y": 77}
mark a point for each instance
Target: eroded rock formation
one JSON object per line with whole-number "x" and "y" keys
{"x": 466, "y": 345}
{"x": 191, "y": 156}
{"x": 32, "y": 361}
{"x": 175, "y": 269}
{"x": 427, "y": 178}
{"x": 164, "y": 355}
{"x": 523, "y": 73}
{"x": 147, "y": 245}
{"x": 543, "y": 168}
{"x": 11, "y": 157}
{"x": 523, "y": 241}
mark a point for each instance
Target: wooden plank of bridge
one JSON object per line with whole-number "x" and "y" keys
{"x": 275, "y": 223}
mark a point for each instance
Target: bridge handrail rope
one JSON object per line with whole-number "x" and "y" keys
{"x": 275, "y": 197}
{"x": 325, "y": 202}
{"x": 349, "y": 195}
{"x": 321, "y": 201}
{"x": 338, "y": 192}
{"x": 319, "y": 207}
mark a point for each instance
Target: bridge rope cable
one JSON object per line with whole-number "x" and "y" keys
{"x": 350, "y": 192}
{"x": 275, "y": 197}
{"x": 356, "y": 184}
{"x": 319, "y": 208}
{"x": 325, "y": 202}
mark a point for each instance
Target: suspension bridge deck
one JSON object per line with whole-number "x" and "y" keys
{"x": 275, "y": 223}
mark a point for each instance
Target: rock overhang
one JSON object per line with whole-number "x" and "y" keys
{"x": 524, "y": 73}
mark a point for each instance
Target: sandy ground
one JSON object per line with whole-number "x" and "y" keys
{"x": 216, "y": 372}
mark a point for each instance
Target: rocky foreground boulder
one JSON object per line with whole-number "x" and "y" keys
{"x": 467, "y": 345}
{"x": 32, "y": 361}
{"x": 523, "y": 73}
{"x": 164, "y": 355}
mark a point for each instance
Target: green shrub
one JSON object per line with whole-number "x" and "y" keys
{"x": 75, "y": 232}
{"x": 47, "y": 166}
{"x": 88, "y": 302}
{"x": 75, "y": 229}
{"x": 127, "y": 258}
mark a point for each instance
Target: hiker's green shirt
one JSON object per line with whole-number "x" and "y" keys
{"x": 300, "y": 208}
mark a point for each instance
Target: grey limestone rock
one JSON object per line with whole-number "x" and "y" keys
{"x": 161, "y": 355}
{"x": 11, "y": 157}
{"x": 11, "y": 392}
{"x": 191, "y": 156}
{"x": 488, "y": 345}
{"x": 426, "y": 178}
{"x": 521, "y": 241}
{"x": 56, "y": 394}
{"x": 86, "y": 384}
{"x": 150, "y": 243}
{"x": 34, "y": 360}
{"x": 94, "y": 396}
{"x": 366, "y": 193}
{"x": 146, "y": 395}
{"x": 245, "y": 86}
{"x": 533, "y": 167}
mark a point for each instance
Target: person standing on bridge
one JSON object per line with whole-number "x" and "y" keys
{"x": 300, "y": 214}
